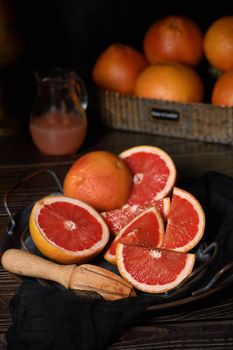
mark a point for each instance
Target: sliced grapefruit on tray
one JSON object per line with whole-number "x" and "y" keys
{"x": 153, "y": 171}
{"x": 67, "y": 230}
{"x": 147, "y": 229}
{"x": 118, "y": 218}
{"x": 153, "y": 270}
{"x": 185, "y": 222}
{"x": 154, "y": 175}
{"x": 152, "y": 231}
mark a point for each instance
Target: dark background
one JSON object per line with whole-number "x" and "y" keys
{"x": 72, "y": 33}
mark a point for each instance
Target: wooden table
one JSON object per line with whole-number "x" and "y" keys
{"x": 207, "y": 324}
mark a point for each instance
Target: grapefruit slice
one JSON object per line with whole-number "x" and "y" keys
{"x": 153, "y": 270}
{"x": 147, "y": 229}
{"x": 118, "y": 218}
{"x": 154, "y": 173}
{"x": 67, "y": 230}
{"x": 185, "y": 222}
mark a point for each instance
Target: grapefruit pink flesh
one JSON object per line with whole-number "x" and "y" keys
{"x": 154, "y": 175}
{"x": 67, "y": 230}
{"x": 185, "y": 223}
{"x": 153, "y": 171}
{"x": 153, "y": 270}
{"x": 147, "y": 229}
{"x": 118, "y": 218}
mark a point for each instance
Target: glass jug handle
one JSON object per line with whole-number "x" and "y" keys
{"x": 81, "y": 92}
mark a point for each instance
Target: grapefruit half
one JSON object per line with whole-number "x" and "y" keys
{"x": 147, "y": 229}
{"x": 185, "y": 222}
{"x": 153, "y": 270}
{"x": 154, "y": 173}
{"x": 118, "y": 218}
{"x": 67, "y": 230}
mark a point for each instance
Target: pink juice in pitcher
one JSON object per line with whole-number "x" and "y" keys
{"x": 58, "y": 133}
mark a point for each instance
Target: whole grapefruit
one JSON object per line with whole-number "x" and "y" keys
{"x": 171, "y": 81}
{"x": 99, "y": 178}
{"x": 222, "y": 93}
{"x": 118, "y": 67}
{"x": 174, "y": 38}
{"x": 218, "y": 43}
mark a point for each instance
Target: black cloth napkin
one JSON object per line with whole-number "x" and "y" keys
{"x": 49, "y": 318}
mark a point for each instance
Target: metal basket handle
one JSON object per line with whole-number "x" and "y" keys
{"x": 27, "y": 178}
{"x": 227, "y": 271}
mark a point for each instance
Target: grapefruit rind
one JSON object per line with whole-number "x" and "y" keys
{"x": 57, "y": 253}
{"x": 110, "y": 257}
{"x": 152, "y": 288}
{"x": 100, "y": 179}
{"x": 164, "y": 156}
{"x": 171, "y": 244}
{"x": 165, "y": 207}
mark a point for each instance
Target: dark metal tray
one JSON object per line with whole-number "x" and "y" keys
{"x": 203, "y": 281}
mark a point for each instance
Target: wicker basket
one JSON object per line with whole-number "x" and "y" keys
{"x": 194, "y": 121}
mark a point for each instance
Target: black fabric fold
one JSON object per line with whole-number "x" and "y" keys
{"x": 49, "y": 318}
{"x": 215, "y": 193}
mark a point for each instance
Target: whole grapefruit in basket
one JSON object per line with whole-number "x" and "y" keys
{"x": 222, "y": 93}
{"x": 174, "y": 38}
{"x": 117, "y": 68}
{"x": 67, "y": 230}
{"x": 218, "y": 43}
{"x": 99, "y": 178}
{"x": 171, "y": 81}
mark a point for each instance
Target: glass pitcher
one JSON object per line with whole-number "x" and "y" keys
{"x": 58, "y": 122}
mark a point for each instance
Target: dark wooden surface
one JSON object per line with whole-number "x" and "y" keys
{"x": 207, "y": 324}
